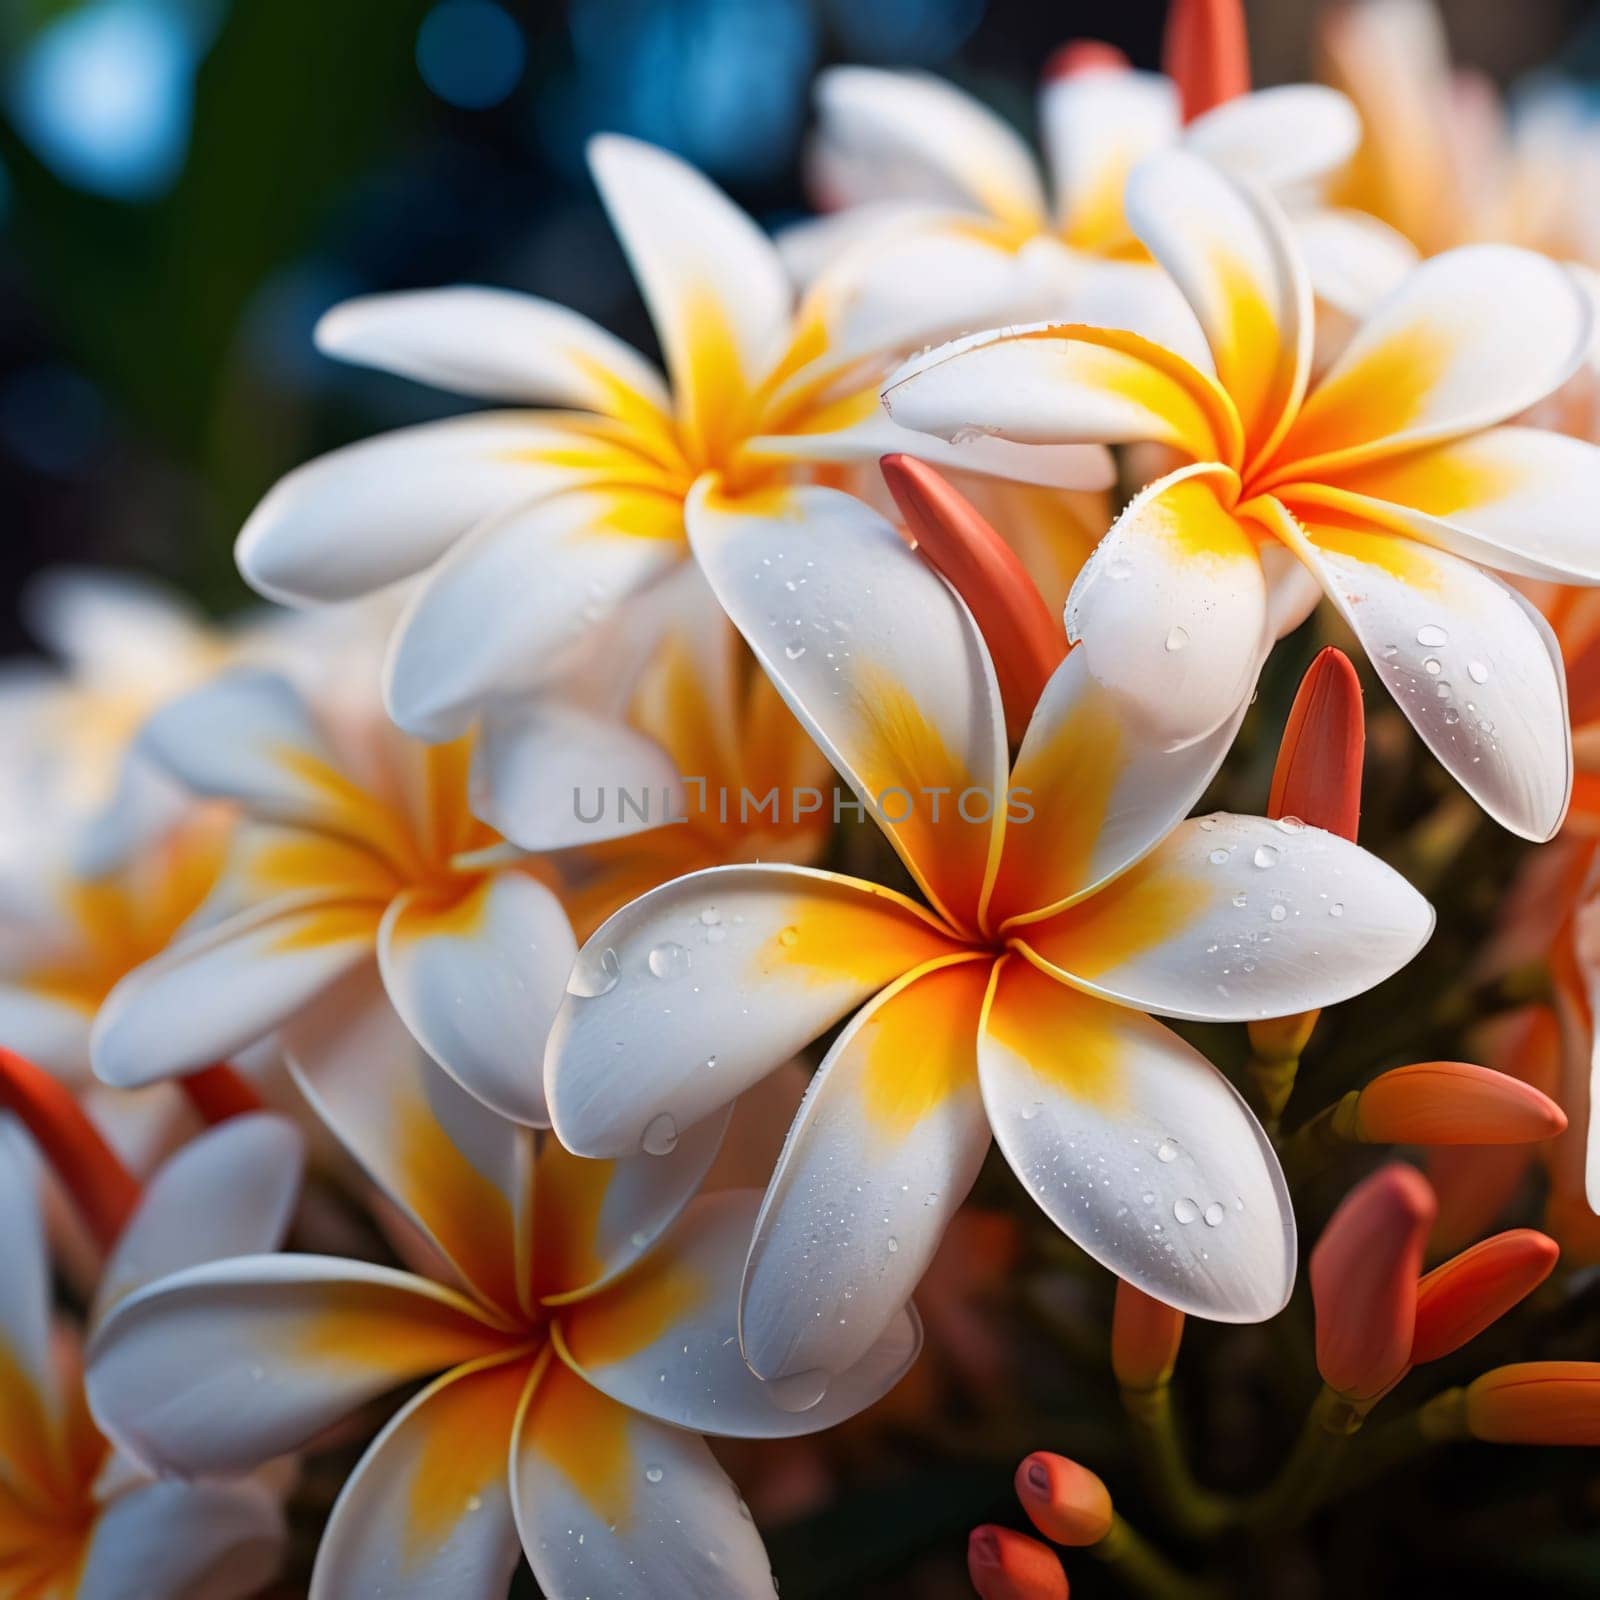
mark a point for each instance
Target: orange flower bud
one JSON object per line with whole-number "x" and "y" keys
{"x": 1318, "y": 773}
{"x": 1364, "y": 1282}
{"x": 1458, "y": 1300}
{"x": 1010, "y": 1566}
{"x": 218, "y": 1092}
{"x": 1065, "y": 1502}
{"x": 1145, "y": 1334}
{"x": 1083, "y": 55}
{"x": 1026, "y": 640}
{"x": 1475, "y": 1185}
{"x": 1454, "y": 1102}
{"x": 1206, "y": 53}
{"x": 1537, "y": 1402}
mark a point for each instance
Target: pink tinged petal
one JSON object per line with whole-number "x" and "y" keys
{"x": 427, "y": 1511}
{"x": 896, "y": 1104}
{"x": 223, "y": 1367}
{"x": 1091, "y": 794}
{"x": 229, "y": 1192}
{"x": 493, "y": 344}
{"x": 714, "y": 285}
{"x": 911, "y": 135}
{"x": 1171, "y": 610}
{"x": 1097, "y": 126}
{"x": 209, "y": 996}
{"x": 1232, "y": 918}
{"x": 500, "y": 611}
{"x": 1280, "y": 137}
{"x": 1518, "y": 499}
{"x": 664, "y": 1340}
{"x": 1137, "y": 1148}
{"x": 361, "y": 518}
{"x": 478, "y": 983}
{"x": 611, "y": 1503}
{"x": 1474, "y": 667}
{"x": 880, "y": 661}
{"x": 204, "y": 1541}
{"x": 1468, "y": 339}
{"x": 696, "y": 990}
{"x": 1229, "y": 249}
{"x": 457, "y": 1169}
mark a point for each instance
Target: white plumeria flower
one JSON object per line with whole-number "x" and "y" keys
{"x": 531, "y": 525}
{"x": 1014, "y": 1003}
{"x": 1388, "y": 479}
{"x": 582, "y": 1326}
{"x": 78, "y": 1517}
{"x": 945, "y": 220}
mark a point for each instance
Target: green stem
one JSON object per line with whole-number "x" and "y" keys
{"x": 1273, "y": 1078}
{"x": 1395, "y": 1443}
{"x": 1192, "y": 1509}
{"x": 1317, "y": 1143}
{"x": 1311, "y": 1467}
{"x": 1144, "y": 1569}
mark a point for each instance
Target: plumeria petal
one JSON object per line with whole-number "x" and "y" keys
{"x": 212, "y": 994}
{"x": 1353, "y": 261}
{"x": 710, "y": 982}
{"x": 1280, "y": 137}
{"x": 427, "y": 1510}
{"x": 1232, "y": 917}
{"x": 500, "y": 610}
{"x": 478, "y": 981}
{"x": 1136, "y": 1147}
{"x": 1228, "y": 247}
{"x": 715, "y": 286}
{"x": 494, "y": 344}
{"x": 222, "y": 1367}
{"x": 1468, "y": 339}
{"x": 461, "y": 1172}
{"x": 363, "y": 517}
{"x": 229, "y": 1192}
{"x": 204, "y": 1541}
{"x": 1171, "y": 610}
{"x": 896, "y": 1103}
{"x": 1473, "y": 666}
{"x": 610, "y": 1502}
{"x": 908, "y": 133}
{"x": 662, "y": 1341}
{"x": 1097, "y": 794}
{"x": 880, "y": 661}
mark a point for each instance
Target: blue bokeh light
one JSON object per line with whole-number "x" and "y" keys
{"x": 903, "y": 32}
{"x": 470, "y": 53}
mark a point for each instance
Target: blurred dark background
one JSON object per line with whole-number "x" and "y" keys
{"x": 186, "y": 184}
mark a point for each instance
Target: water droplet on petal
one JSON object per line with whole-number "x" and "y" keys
{"x": 789, "y": 938}
{"x": 1185, "y": 1210}
{"x": 1265, "y": 856}
{"x": 660, "y": 1137}
{"x": 1278, "y": 912}
{"x": 1241, "y": 899}
{"x": 669, "y": 960}
{"x": 653, "y": 1474}
{"x": 1432, "y": 636}
{"x": 1214, "y": 1214}
{"x": 794, "y": 649}
{"x": 1433, "y": 666}
{"x": 1177, "y": 639}
{"x": 799, "y": 1391}
{"x": 1167, "y": 1150}
{"x": 590, "y": 979}
{"x": 894, "y": 1245}
{"x": 1478, "y": 672}
{"x": 1218, "y": 856}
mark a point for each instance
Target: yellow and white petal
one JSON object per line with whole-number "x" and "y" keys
{"x": 910, "y": 135}
{"x": 594, "y": 1219}
{"x": 52, "y": 1032}
{"x": 1097, "y": 126}
{"x": 713, "y": 282}
{"x": 1229, "y": 249}
{"x": 1090, "y": 794}
{"x": 231, "y": 1191}
{"x": 223, "y": 1367}
{"x": 204, "y": 1541}
{"x": 609, "y": 1502}
{"x": 1135, "y": 296}
{"x": 663, "y": 1339}
{"x": 361, "y": 518}
{"x": 686, "y": 997}
{"x": 1137, "y": 1148}
{"x": 1474, "y": 667}
{"x": 462, "y": 1173}
{"x": 495, "y": 344}
{"x": 210, "y": 995}
{"x": 1520, "y": 499}
{"x": 478, "y": 981}
{"x": 895, "y": 1105}
{"x": 1468, "y": 339}
{"x": 1284, "y": 137}
{"x": 1354, "y": 261}
{"x": 497, "y": 614}
{"x": 1171, "y": 609}
{"x": 1064, "y": 383}
{"x": 1232, "y": 918}
{"x": 427, "y": 1511}
{"x": 815, "y": 245}
{"x": 879, "y": 660}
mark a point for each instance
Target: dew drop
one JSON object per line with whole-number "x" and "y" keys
{"x": 711, "y": 1061}
{"x": 1149, "y": 1197}
{"x": 799, "y": 1391}
{"x": 1278, "y": 912}
{"x": 1218, "y": 856}
{"x": 1214, "y": 1214}
{"x": 1336, "y": 909}
{"x": 669, "y": 960}
{"x": 1167, "y": 1150}
{"x": 1433, "y": 666}
{"x": 1241, "y": 899}
{"x": 710, "y": 917}
{"x": 789, "y": 938}
{"x": 1478, "y": 672}
{"x": 653, "y": 1474}
{"x": 589, "y": 980}
{"x": 1185, "y": 1210}
{"x": 1177, "y": 639}
{"x": 1265, "y": 856}
{"x": 660, "y": 1137}
{"x": 794, "y": 649}
{"x": 894, "y": 1246}
{"x": 1432, "y": 636}
{"x": 1119, "y": 570}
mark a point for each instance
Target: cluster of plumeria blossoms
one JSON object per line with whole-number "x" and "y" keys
{"x": 886, "y": 734}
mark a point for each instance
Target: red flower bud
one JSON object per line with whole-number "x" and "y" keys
{"x": 1010, "y": 1566}
{"x": 1065, "y": 1502}
{"x": 1206, "y": 52}
{"x": 1454, "y": 1102}
{"x": 1083, "y": 55}
{"x": 1318, "y": 773}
